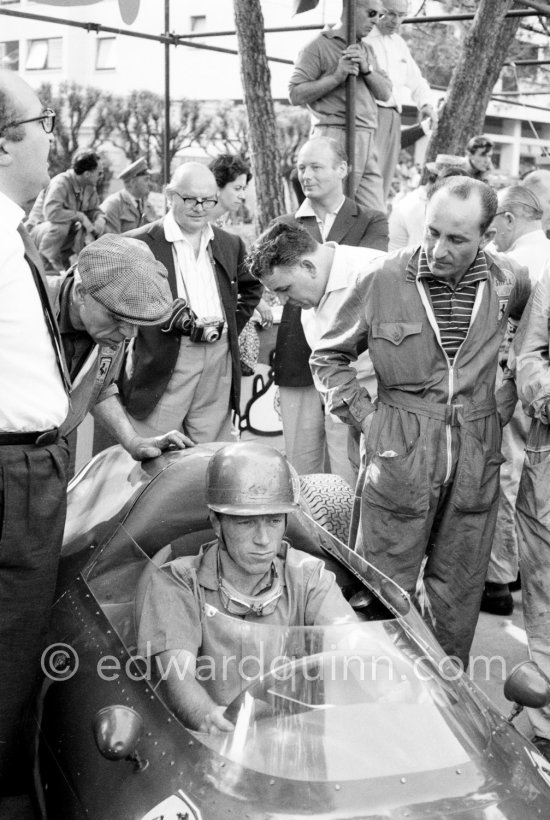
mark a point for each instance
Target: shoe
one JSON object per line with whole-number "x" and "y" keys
{"x": 542, "y": 744}
{"x": 497, "y": 599}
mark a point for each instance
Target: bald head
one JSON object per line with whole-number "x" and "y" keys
{"x": 24, "y": 148}
{"x": 519, "y": 213}
{"x": 539, "y": 183}
{"x": 192, "y": 192}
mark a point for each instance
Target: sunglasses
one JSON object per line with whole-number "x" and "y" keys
{"x": 46, "y": 119}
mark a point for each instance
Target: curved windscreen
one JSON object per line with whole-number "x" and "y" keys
{"x": 328, "y": 702}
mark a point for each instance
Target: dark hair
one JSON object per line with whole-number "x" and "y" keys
{"x": 466, "y": 187}
{"x": 85, "y": 159}
{"x": 227, "y": 167}
{"x": 479, "y": 143}
{"x": 8, "y": 113}
{"x": 453, "y": 171}
{"x": 282, "y": 244}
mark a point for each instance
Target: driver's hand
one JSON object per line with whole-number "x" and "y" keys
{"x": 141, "y": 448}
{"x": 214, "y": 722}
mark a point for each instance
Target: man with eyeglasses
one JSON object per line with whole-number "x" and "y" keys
{"x": 319, "y": 82}
{"x": 71, "y": 212}
{"x": 186, "y": 376}
{"x": 248, "y": 572}
{"x": 34, "y": 387}
{"x": 129, "y": 208}
{"x": 394, "y": 57}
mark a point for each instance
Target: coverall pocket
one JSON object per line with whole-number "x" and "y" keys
{"x": 398, "y": 483}
{"x": 477, "y": 476}
{"x": 398, "y": 352}
{"x": 533, "y": 498}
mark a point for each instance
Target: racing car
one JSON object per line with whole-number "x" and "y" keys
{"x": 357, "y": 721}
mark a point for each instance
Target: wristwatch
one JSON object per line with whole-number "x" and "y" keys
{"x": 368, "y": 71}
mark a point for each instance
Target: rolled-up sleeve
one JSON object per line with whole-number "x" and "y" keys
{"x": 340, "y": 345}
{"x": 530, "y": 352}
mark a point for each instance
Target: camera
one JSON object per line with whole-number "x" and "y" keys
{"x": 207, "y": 330}
{"x": 181, "y": 320}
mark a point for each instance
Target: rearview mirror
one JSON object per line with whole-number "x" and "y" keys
{"x": 527, "y": 685}
{"x": 117, "y": 732}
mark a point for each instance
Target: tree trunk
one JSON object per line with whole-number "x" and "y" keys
{"x": 475, "y": 74}
{"x": 256, "y": 82}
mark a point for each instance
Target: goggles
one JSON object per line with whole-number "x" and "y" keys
{"x": 236, "y": 602}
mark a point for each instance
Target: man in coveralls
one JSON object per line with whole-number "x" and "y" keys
{"x": 433, "y": 320}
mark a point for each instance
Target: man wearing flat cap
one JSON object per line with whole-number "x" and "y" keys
{"x": 118, "y": 286}
{"x": 128, "y": 208}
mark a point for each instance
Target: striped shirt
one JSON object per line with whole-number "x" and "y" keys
{"x": 453, "y": 306}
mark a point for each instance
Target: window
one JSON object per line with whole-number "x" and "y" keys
{"x": 198, "y": 23}
{"x": 9, "y": 55}
{"x": 44, "y": 54}
{"x": 105, "y": 53}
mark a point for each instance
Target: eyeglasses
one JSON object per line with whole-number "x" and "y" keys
{"x": 193, "y": 201}
{"x": 373, "y": 13}
{"x": 393, "y": 15}
{"x": 46, "y": 119}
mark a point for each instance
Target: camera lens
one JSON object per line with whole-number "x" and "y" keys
{"x": 211, "y": 335}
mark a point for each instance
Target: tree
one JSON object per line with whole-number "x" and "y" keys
{"x": 256, "y": 82}
{"x": 72, "y": 103}
{"x": 480, "y": 61}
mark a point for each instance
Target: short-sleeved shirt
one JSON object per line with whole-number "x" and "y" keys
{"x": 320, "y": 58}
{"x": 173, "y": 611}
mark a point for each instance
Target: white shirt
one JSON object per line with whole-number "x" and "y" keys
{"x": 394, "y": 57}
{"x": 406, "y": 220}
{"x": 195, "y": 275}
{"x": 325, "y": 226}
{"x": 31, "y": 387}
{"x": 532, "y": 250}
{"x": 347, "y": 264}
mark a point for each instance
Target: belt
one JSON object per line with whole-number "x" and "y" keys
{"x": 40, "y": 438}
{"x": 453, "y": 414}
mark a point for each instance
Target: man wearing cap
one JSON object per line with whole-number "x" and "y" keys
{"x": 518, "y": 234}
{"x": 433, "y": 319}
{"x": 118, "y": 286}
{"x": 394, "y": 57}
{"x": 248, "y": 572}
{"x": 71, "y": 212}
{"x": 187, "y": 376}
{"x": 129, "y": 208}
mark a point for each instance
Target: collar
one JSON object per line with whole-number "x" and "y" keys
{"x": 525, "y": 240}
{"x": 306, "y": 209}
{"x": 334, "y": 34}
{"x": 173, "y": 232}
{"x": 11, "y": 214}
{"x": 477, "y": 272}
{"x": 207, "y": 573}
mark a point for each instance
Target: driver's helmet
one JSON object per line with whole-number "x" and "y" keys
{"x": 248, "y": 478}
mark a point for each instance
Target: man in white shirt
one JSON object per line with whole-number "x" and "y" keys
{"x": 33, "y": 456}
{"x": 394, "y": 57}
{"x": 519, "y": 234}
{"x": 187, "y": 376}
{"x": 314, "y": 277}
{"x": 315, "y": 442}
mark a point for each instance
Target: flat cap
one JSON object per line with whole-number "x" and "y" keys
{"x": 444, "y": 161}
{"x": 135, "y": 169}
{"x": 123, "y": 275}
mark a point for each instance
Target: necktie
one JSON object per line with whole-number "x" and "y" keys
{"x": 140, "y": 211}
{"x": 33, "y": 260}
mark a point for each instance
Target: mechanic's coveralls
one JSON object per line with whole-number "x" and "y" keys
{"x": 532, "y": 348}
{"x": 433, "y": 446}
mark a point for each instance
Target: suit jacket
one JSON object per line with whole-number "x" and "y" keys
{"x": 354, "y": 225}
{"x": 155, "y": 353}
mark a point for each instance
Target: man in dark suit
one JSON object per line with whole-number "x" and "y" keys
{"x": 314, "y": 442}
{"x": 186, "y": 375}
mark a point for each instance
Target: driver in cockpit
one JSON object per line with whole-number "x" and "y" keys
{"x": 248, "y": 572}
